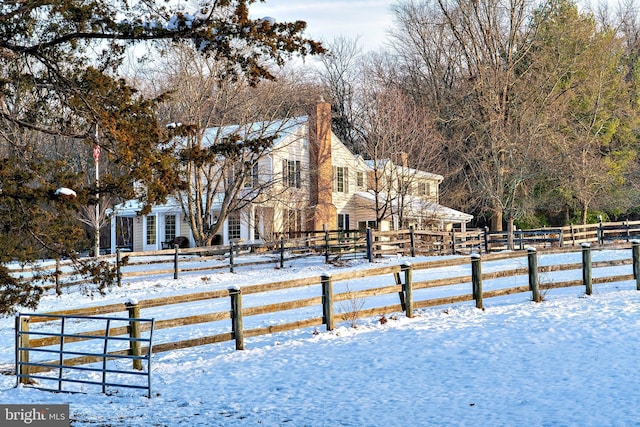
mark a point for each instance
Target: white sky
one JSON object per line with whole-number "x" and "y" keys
{"x": 367, "y": 19}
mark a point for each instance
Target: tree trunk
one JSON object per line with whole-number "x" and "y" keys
{"x": 510, "y": 233}
{"x": 496, "y": 220}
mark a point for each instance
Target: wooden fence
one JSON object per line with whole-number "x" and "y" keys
{"x": 570, "y": 235}
{"x": 425, "y": 242}
{"x": 332, "y": 245}
{"x": 328, "y": 299}
{"x": 338, "y": 245}
{"x": 418, "y": 242}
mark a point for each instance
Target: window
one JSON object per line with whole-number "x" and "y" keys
{"x": 252, "y": 180}
{"x": 124, "y": 232}
{"x": 340, "y": 179}
{"x": 363, "y": 225}
{"x": 424, "y": 189}
{"x": 255, "y": 176}
{"x": 291, "y": 176}
{"x": 233, "y": 226}
{"x": 169, "y": 228}
{"x": 263, "y": 223}
{"x": 404, "y": 186}
{"x": 360, "y": 179}
{"x": 256, "y": 224}
{"x": 343, "y": 221}
{"x": 292, "y": 221}
{"x": 151, "y": 230}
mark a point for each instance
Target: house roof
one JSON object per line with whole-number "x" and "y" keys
{"x": 401, "y": 170}
{"x": 283, "y": 128}
{"x": 132, "y": 207}
{"x": 416, "y": 206}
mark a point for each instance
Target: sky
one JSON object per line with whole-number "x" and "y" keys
{"x": 367, "y": 19}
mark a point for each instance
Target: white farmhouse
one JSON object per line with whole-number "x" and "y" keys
{"x": 320, "y": 184}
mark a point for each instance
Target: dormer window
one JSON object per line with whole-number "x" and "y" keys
{"x": 424, "y": 189}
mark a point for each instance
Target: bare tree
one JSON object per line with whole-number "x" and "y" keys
{"x": 341, "y": 75}
{"x": 224, "y": 129}
{"x": 530, "y": 97}
{"x": 401, "y": 144}
{"x": 467, "y": 62}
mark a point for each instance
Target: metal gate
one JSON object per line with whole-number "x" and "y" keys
{"x": 51, "y": 348}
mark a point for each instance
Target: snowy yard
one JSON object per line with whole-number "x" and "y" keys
{"x": 568, "y": 361}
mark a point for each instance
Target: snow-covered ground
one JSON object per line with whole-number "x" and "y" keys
{"x": 568, "y": 361}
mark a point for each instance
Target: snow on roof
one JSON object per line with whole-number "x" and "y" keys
{"x": 280, "y": 128}
{"x": 401, "y": 170}
{"x": 132, "y": 207}
{"x": 172, "y": 205}
{"x": 420, "y": 207}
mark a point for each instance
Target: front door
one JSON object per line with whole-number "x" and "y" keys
{"x": 150, "y": 233}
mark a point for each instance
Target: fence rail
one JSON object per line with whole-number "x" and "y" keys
{"x": 327, "y": 299}
{"x": 338, "y": 245}
{"x": 571, "y": 235}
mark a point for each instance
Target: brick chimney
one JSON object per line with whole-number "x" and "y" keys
{"x": 400, "y": 159}
{"x": 323, "y": 211}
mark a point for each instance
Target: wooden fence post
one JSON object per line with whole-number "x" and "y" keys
{"x": 586, "y": 268}
{"x": 355, "y": 235}
{"x": 327, "y": 301}
{"x": 407, "y": 287}
{"x": 518, "y": 239}
{"x": 476, "y": 279}
{"x": 118, "y": 267}
{"x": 236, "y": 316}
{"x": 326, "y": 246}
{"x": 57, "y": 277}
{"x": 486, "y": 240}
{"x": 635, "y": 249}
{"x": 22, "y": 356}
{"x": 600, "y": 231}
{"x": 453, "y": 242}
{"x": 282, "y": 252}
{"x": 510, "y": 236}
{"x": 231, "y": 269}
{"x": 134, "y": 332}
{"x": 532, "y": 256}
{"x": 175, "y": 262}
{"x": 412, "y": 238}
{"x": 369, "y": 245}
{"x": 627, "y": 233}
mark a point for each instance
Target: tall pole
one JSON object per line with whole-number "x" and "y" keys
{"x": 96, "y": 159}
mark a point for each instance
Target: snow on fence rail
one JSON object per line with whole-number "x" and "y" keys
{"x": 327, "y": 299}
